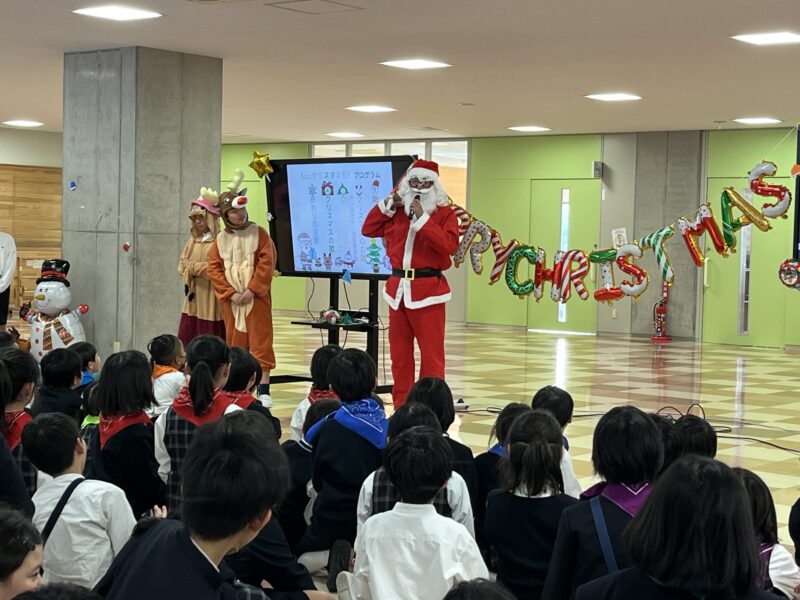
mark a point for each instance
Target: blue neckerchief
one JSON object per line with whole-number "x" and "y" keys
{"x": 566, "y": 443}
{"x": 88, "y": 377}
{"x": 499, "y": 450}
{"x": 363, "y": 417}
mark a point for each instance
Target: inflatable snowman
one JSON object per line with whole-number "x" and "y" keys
{"x": 53, "y": 324}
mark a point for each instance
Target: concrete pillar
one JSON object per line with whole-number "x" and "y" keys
{"x": 142, "y": 133}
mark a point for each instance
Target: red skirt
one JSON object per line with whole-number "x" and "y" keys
{"x": 191, "y": 327}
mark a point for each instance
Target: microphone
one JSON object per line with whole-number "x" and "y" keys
{"x": 411, "y": 214}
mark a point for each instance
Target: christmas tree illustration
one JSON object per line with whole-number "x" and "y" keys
{"x": 374, "y": 256}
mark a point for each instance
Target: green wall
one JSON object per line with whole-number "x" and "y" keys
{"x": 501, "y": 171}
{"x": 773, "y": 307}
{"x": 288, "y": 293}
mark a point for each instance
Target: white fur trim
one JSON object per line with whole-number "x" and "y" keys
{"x": 404, "y": 293}
{"x": 420, "y": 173}
{"x": 394, "y": 302}
{"x": 429, "y": 301}
{"x": 384, "y": 205}
{"x": 419, "y": 223}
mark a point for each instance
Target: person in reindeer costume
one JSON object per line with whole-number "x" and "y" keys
{"x": 241, "y": 264}
{"x": 201, "y": 312}
{"x": 420, "y": 232}
{"x": 53, "y": 324}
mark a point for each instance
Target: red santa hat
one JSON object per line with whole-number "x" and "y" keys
{"x": 423, "y": 169}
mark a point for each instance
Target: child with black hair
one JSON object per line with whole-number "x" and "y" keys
{"x": 59, "y": 591}
{"x": 61, "y": 376}
{"x": 669, "y": 438}
{"x": 478, "y": 589}
{"x": 122, "y": 448}
{"x": 243, "y": 378}
{"x": 411, "y": 547}
{"x": 778, "y": 573}
{"x": 96, "y": 521}
{"x": 347, "y": 446}
{"x": 320, "y": 387}
{"x": 522, "y": 518}
{"x": 696, "y": 435}
{"x": 627, "y": 454}
{"x": 167, "y": 359}
{"x": 693, "y": 538}
{"x": 234, "y": 474}
{"x": 21, "y": 555}
{"x": 90, "y": 364}
{"x": 201, "y": 402}
{"x": 23, "y": 374}
{"x": 436, "y": 395}
{"x": 560, "y": 404}
{"x": 7, "y": 340}
{"x": 379, "y": 495}
{"x": 291, "y": 513}
{"x": 13, "y": 492}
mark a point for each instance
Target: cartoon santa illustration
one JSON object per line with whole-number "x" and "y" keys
{"x": 420, "y": 233}
{"x": 306, "y": 252}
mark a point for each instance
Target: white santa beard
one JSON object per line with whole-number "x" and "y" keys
{"x": 426, "y": 199}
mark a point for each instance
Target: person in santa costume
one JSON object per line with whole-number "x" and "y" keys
{"x": 420, "y": 232}
{"x": 241, "y": 264}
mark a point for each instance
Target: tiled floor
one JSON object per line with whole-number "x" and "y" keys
{"x": 748, "y": 394}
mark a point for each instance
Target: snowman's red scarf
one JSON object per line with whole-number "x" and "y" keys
{"x": 50, "y": 322}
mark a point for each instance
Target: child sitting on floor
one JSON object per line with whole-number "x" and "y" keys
{"x": 696, "y": 435}
{"x": 379, "y": 495}
{"x": 559, "y": 402}
{"x": 61, "y": 375}
{"x": 320, "y": 387}
{"x": 20, "y": 554}
{"x": 90, "y": 364}
{"x": 243, "y": 378}
{"x": 167, "y": 359}
{"x": 347, "y": 446}
{"x": 412, "y": 551}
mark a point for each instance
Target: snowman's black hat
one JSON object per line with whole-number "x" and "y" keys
{"x": 54, "y": 269}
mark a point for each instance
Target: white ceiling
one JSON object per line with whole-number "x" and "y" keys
{"x": 288, "y": 75}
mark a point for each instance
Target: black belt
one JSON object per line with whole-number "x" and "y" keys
{"x": 413, "y": 274}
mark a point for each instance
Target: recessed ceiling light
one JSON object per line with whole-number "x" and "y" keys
{"x": 415, "y": 64}
{"x": 757, "y": 120}
{"x": 614, "y": 97}
{"x": 344, "y": 134}
{"x": 23, "y": 123}
{"x": 371, "y": 108}
{"x": 769, "y": 39}
{"x": 116, "y": 12}
{"x": 528, "y": 128}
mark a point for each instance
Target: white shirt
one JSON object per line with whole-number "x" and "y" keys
{"x": 298, "y": 418}
{"x": 413, "y": 553}
{"x": 8, "y": 260}
{"x": 162, "y": 455}
{"x": 166, "y": 388}
{"x": 457, "y": 498}
{"x": 783, "y": 572}
{"x": 92, "y": 529}
{"x": 571, "y": 485}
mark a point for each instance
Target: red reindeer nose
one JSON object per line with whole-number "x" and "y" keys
{"x": 239, "y": 202}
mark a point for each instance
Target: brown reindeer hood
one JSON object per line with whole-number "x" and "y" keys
{"x": 234, "y": 198}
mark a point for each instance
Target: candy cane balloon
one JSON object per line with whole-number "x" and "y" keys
{"x": 474, "y": 248}
{"x": 464, "y": 219}
{"x": 501, "y": 254}
{"x": 625, "y": 256}
{"x": 759, "y": 188}
{"x": 564, "y": 277}
{"x": 656, "y": 241}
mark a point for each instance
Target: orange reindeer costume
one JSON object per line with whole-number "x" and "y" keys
{"x": 242, "y": 259}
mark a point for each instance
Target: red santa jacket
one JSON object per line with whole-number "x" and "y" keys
{"x": 427, "y": 243}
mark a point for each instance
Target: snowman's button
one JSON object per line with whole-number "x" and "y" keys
{"x": 37, "y": 330}
{"x": 40, "y": 353}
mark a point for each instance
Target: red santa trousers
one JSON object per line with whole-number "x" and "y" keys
{"x": 427, "y": 326}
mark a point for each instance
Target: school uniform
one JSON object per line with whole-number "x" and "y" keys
{"x": 413, "y": 553}
{"x": 635, "y": 583}
{"x": 123, "y": 454}
{"x": 464, "y": 465}
{"x": 246, "y": 401}
{"x": 487, "y": 476}
{"x": 522, "y": 529}
{"x": 93, "y": 527}
{"x": 269, "y": 558}
{"x": 578, "y": 555}
{"x": 300, "y": 412}
{"x": 174, "y": 432}
{"x": 782, "y": 571}
{"x": 162, "y": 562}
{"x": 167, "y": 384}
{"x": 378, "y": 495}
{"x": 291, "y": 513}
{"x": 15, "y": 422}
{"x": 13, "y": 491}
{"x": 51, "y": 399}
{"x": 347, "y": 446}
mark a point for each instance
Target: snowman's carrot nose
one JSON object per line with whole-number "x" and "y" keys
{"x": 39, "y": 297}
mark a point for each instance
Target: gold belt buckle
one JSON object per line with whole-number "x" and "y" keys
{"x": 409, "y": 274}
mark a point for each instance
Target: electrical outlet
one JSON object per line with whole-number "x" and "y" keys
{"x": 613, "y": 313}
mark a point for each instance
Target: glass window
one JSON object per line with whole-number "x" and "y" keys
{"x": 329, "y": 150}
{"x": 744, "y": 280}
{"x": 564, "y": 243}
{"x": 368, "y": 149}
{"x": 453, "y": 159}
{"x": 408, "y": 148}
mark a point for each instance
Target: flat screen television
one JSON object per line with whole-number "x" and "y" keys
{"x": 317, "y": 207}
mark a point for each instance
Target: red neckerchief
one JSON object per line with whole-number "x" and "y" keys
{"x": 15, "y": 423}
{"x": 317, "y": 395}
{"x": 242, "y": 399}
{"x": 111, "y": 425}
{"x": 182, "y": 405}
